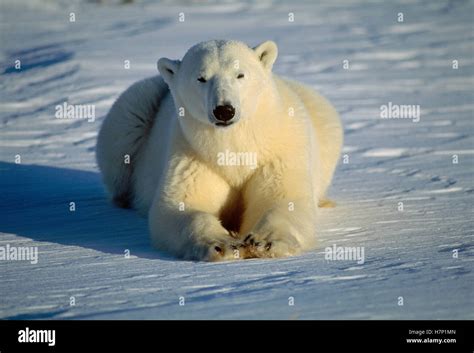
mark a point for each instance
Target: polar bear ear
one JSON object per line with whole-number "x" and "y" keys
{"x": 168, "y": 69}
{"x": 267, "y": 53}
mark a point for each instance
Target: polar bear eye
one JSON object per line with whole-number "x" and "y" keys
{"x": 240, "y": 76}
{"x": 201, "y": 79}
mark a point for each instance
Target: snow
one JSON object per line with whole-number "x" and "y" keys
{"x": 408, "y": 253}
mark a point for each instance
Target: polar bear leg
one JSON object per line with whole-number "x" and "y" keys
{"x": 280, "y": 213}
{"x": 184, "y": 216}
{"x": 328, "y": 129}
{"x": 123, "y": 135}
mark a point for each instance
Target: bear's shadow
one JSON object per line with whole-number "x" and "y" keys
{"x": 69, "y": 207}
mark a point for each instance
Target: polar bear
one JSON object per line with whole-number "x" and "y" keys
{"x": 228, "y": 160}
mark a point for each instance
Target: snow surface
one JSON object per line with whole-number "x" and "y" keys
{"x": 408, "y": 253}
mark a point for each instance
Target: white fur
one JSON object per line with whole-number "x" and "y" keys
{"x": 294, "y": 132}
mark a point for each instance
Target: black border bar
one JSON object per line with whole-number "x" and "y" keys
{"x": 241, "y": 336}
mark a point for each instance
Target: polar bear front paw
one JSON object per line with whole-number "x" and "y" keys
{"x": 270, "y": 245}
{"x": 226, "y": 249}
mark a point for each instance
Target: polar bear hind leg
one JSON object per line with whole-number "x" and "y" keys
{"x": 329, "y": 132}
{"x": 123, "y": 133}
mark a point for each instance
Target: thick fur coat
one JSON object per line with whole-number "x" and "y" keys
{"x": 227, "y": 159}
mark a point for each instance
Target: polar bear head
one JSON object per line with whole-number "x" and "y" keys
{"x": 219, "y": 82}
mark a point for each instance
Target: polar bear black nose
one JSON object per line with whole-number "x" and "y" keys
{"x": 224, "y": 113}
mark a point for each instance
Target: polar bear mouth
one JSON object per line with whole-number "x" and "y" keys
{"x": 223, "y": 124}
